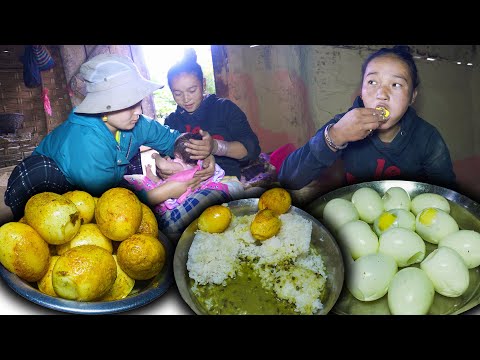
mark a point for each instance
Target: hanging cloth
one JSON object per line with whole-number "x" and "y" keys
{"x": 31, "y": 71}
{"x": 43, "y": 57}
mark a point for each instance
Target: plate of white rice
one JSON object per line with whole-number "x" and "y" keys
{"x": 301, "y": 267}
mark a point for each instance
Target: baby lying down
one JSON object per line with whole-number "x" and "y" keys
{"x": 183, "y": 169}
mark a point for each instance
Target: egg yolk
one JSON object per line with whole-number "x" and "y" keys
{"x": 428, "y": 216}
{"x": 384, "y": 112}
{"x": 386, "y": 220}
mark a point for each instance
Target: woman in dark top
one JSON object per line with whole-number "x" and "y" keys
{"x": 223, "y": 125}
{"x": 380, "y": 136}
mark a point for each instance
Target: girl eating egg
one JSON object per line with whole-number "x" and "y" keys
{"x": 380, "y": 136}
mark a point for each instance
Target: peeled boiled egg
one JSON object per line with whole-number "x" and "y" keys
{"x": 466, "y": 243}
{"x": 368, "y": 203}
{"x": 404, "y": 245}
{"x": 427, "y": 200}
{"x": 338, "y": 212}
{"x": 392, "y": 219}
{"x": 396, "y": 198}
{"x": 433, "y": 224}
{"x": 358, "y": 238}
{"x": 410, "y": 292}
{"x": 369, "y": 276}
{"x": 447, "y": 271}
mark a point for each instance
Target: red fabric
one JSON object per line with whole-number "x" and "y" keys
{"x": 279, "y": 155}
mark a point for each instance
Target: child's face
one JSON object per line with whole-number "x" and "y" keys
{"x": 387, "y": 83}
{"x": 176, "y": 164}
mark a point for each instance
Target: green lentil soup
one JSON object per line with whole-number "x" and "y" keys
{"x": 232, "y": 273}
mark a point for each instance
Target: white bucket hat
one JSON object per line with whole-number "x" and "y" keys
{"x": 113, "y": 83}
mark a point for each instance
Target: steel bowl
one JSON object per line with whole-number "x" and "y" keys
{"x": 144, "y": 291}
{"x": 321, "y": 239}
{"x": 464, "y": 210}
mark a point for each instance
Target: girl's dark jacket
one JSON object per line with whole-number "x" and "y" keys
{"x": 224, "y": 120}
{"x": 417, "y": 153}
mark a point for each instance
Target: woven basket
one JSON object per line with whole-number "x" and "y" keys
{"x": 10, "y": 122}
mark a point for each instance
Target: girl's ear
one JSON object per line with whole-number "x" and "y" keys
{"x": 414, "y": 96}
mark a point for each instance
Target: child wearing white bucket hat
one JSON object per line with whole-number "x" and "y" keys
{"x": 92, "y": 148}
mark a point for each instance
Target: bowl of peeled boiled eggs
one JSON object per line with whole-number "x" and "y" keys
{"x": 409, "y": 248}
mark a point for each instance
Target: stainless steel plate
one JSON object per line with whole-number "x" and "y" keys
{"x": 464, "y": 210}
{"x": 143, "y": 292}
{"x": 321, "y": 239}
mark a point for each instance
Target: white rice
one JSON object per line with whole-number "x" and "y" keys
{"x": 285, "y": 263}
{"x": 212, "y": 258}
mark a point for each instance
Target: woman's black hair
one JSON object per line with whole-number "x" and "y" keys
{"x": 179, "y": 147}
{"x": 403, "y": 53}
{"x": 187, "y": 65}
